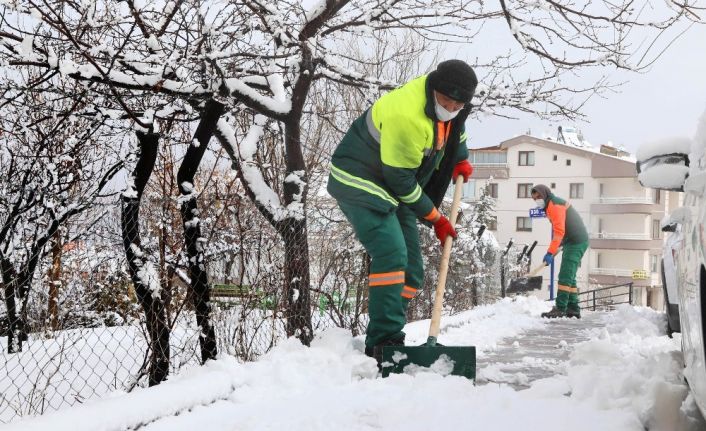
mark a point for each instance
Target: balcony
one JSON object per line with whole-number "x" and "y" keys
{"x": 627, "y": 236}
{"x": 490, "y": 165}
{"x": 625, "y": 205}
{"x": 624, "y": 241}
{"x": 607, "y": 276}
{"x": 617, "y": 272}
{"x": 625, "y": 200}
{"x": 490, "y": 170}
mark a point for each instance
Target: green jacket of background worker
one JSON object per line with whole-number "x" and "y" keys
{"x": 392, "y": 168}
{"x": 570, "y": 233}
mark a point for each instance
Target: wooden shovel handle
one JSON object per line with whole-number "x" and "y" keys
{"x": 542, "y": 266}
{"x": 537, "y": 270}
{"x": 444, "y": 266}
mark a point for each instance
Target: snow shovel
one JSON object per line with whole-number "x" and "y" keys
{"x": 457, "y": 361}
{"x": 531, "y": 281}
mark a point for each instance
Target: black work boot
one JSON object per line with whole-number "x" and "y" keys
{"x": 573, "y": 313}
{"x": 554, "y": 313}
{"x": 376, "y": 351}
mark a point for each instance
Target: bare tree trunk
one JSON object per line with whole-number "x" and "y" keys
{"x": 9, "y": 279}
{"x": 165, "y": 272}
{"x": 293, "y": 230}
{"x": 296, "y": 279}
{"x": 54, "y": 281}
{"x": 200, "y": 289}
{"x": 148, "y": 292}
{"x": 474, "y": 293}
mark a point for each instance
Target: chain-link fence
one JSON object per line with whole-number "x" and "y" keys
{"x": 88, "y": 323}
{"x": 75, "y": 327}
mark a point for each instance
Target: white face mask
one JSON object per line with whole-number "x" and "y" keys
{"x": 539, "y": 202}
{"x": 442, "y": 114}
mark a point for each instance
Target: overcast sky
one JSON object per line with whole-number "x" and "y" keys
{"x": 665, "y": 101}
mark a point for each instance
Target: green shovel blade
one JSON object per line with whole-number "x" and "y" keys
{"x": 456, "y": 361}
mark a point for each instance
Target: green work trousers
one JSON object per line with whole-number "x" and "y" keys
{"x": 396, "y": 268}
{"x": 568, "y": 294}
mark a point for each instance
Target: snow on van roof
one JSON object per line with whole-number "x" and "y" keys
{"x": 679, "y": 144}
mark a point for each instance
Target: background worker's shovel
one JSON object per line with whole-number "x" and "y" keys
{"x": 460, "y": 360}
{"x": 531, "y": 281}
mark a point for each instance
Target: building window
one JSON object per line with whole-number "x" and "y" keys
{"x": 656, "y": 198}
{"x": 469, "y": 190}
{"x": 600, "y": 190}
{"x": 568, "y": 162}
{"x": 654, "y": 262}
{"x": 493, "y": 223}
{"x": 656, "y": 229}
{"x": 493, "y": 190}
{"x": 555, "y": 157}
{"x": 553, "y": 185}
{"x": 524, "y": 190}
{"x": 524, "y": 224}
{"x": 526, "y": 158}
{"x": 598, "y": 260}
{"x": 488, "y": 157}
{"x": 576, "y": 190}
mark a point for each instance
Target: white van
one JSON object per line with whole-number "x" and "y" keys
{"x": 680, "y": 164}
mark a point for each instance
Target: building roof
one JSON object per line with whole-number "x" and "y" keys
{"x": 490, "y": 148}
{"x": 602, "y": 166}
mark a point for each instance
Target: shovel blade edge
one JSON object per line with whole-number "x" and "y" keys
{"x": 448, "y": 360}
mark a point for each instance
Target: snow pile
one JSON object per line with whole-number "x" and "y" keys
{"x": 624, "y": 378}
{"x": 664, "y": 176}
{"x": 675, "y": 145}
{"x": 679, "y": 215}
{"x": 484, "y": 326}
{"x": 630, "y": 365}
{"x": 661, "y": 175}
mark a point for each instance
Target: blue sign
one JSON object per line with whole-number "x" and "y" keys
{"x": 537, "y": 212}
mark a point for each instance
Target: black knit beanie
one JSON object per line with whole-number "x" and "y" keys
{"x": 455, "y": 79}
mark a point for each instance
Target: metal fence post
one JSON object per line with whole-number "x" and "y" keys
{"x": 503, "y": 263}
{"x": 594, "y": 300}
{"x": 502, "y": 276}
{"x": 630, "y": 293}
{"x": 551, "y": 275}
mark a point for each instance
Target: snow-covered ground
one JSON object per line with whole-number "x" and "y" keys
{"x": 626, "y": 376}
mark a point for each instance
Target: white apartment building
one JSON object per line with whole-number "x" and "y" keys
{"x": 622, "y": 217}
